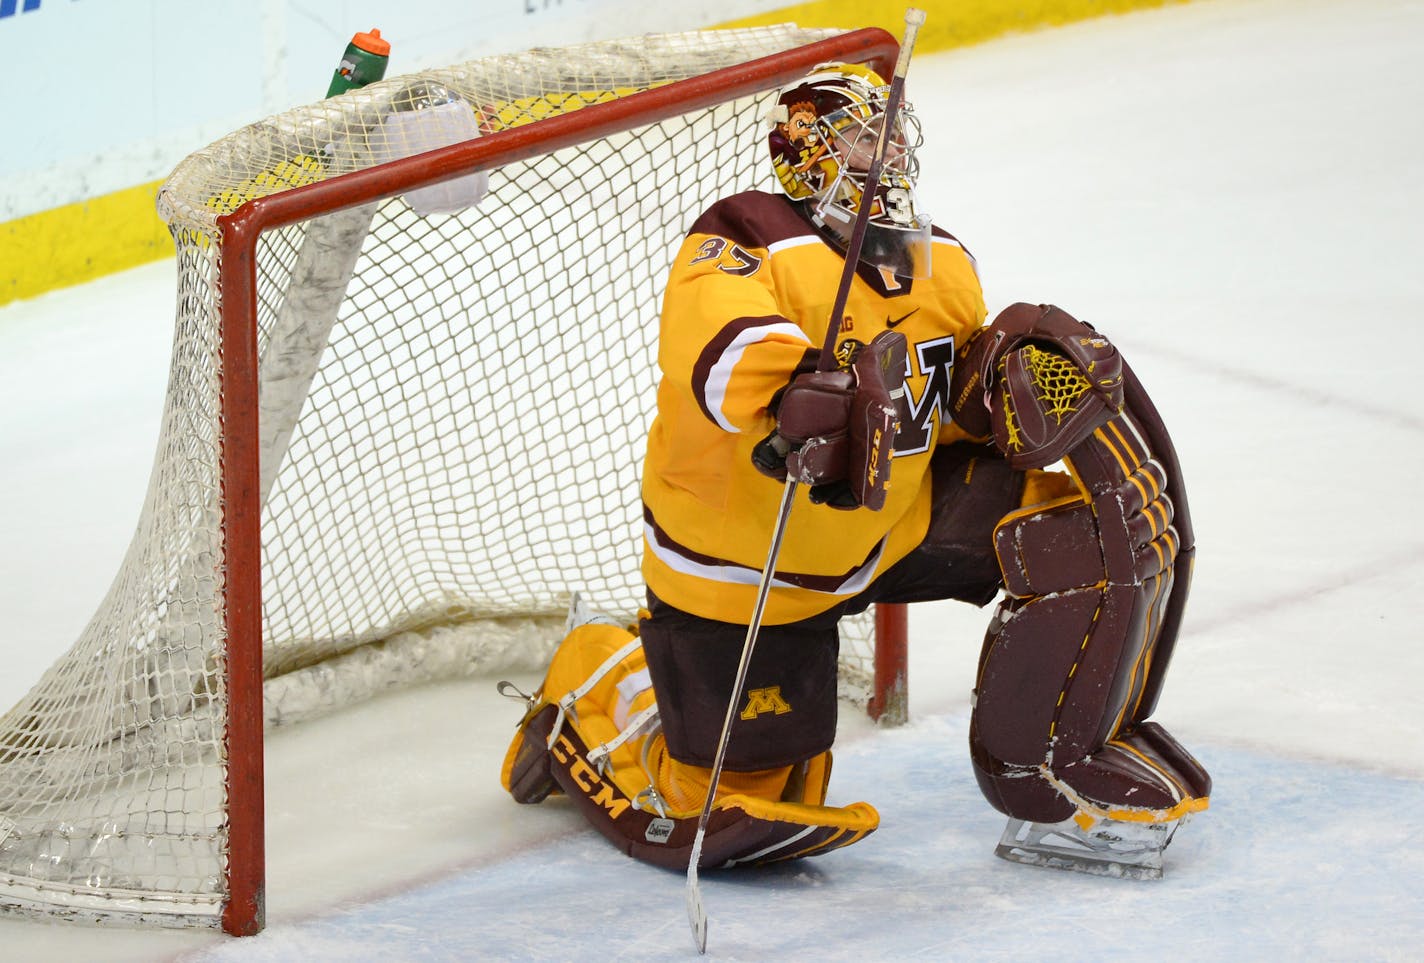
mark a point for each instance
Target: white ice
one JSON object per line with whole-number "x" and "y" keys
{"x": 1230, "y": 190}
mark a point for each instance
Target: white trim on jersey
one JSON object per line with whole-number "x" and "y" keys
{"x": 734, "y": 574}
{"x": 714, "y": 389}
{"x": 776, "y": 247}
{"x": 954, "y": 243}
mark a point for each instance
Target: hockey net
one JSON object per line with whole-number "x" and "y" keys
{"x": 393, "y": 444}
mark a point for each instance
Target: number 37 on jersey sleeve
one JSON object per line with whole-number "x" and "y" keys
{"x": 729, "y": 256}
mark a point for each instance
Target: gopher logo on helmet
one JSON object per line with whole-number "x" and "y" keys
{"x": 798, "y": 152}
{"x": 826, "y": 131}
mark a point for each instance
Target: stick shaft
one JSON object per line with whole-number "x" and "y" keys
{"x": 783, "y": 514}
{"x": 913, "y": 19}
{"x": 697, "y": 914}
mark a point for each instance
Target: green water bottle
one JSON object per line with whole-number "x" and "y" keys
{"x": 363, "y": 63}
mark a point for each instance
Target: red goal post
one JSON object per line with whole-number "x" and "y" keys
{"x": 315, "y": 437}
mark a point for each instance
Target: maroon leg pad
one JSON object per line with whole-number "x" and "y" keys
{"x": 1054, "y": 682}
{"x": 1067, "y": 662}
{"x": 1152, "y": 738}
{"x": 530, "y": 778}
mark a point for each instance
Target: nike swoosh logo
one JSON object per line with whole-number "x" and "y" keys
{"x": 891, "y": 324}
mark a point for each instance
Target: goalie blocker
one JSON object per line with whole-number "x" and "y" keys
{"x": 835, "y": 430}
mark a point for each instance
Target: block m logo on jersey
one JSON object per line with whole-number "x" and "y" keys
{"x": 765, "y": 700}
{"x": 920, "y": 417}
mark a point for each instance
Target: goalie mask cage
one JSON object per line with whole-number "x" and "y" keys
{"x": 392, "y": 444}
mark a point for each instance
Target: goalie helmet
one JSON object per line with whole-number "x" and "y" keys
{"x": 823, "y": 137}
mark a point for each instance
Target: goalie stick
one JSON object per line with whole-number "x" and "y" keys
{"x": 696, "y": 912}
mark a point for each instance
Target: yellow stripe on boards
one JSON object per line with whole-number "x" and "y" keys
{"x": 948, "y": 24}
{"x": 1129, "y": 450}
{"x": 80, "y": 242}
{"x": 1158, "y": 512}
{"x": 1181, "y": 788}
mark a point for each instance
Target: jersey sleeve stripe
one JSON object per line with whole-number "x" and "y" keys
{"x": 800, "y": 241}
{"x": 951, "y": 241}
{"x": 687, "y": 561}
{"x": 713, "y": 371}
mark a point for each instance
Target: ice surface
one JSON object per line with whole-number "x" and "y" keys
{"x": 1268, "y": 873}
{"x": 1229, "y": 190}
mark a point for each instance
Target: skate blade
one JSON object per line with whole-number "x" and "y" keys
{"x": 1079, "y": 863}
{"x": 1127, "y": 851}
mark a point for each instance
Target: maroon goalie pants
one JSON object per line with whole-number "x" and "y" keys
{"x": 789, "y": 711}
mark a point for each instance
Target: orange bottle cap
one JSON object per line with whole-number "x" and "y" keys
{"x": 372, "y": 43}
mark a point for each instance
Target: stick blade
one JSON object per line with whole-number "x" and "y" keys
{"x": 696, "y": 914}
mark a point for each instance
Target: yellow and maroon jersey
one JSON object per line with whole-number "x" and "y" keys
{"x": 748, "y": 297}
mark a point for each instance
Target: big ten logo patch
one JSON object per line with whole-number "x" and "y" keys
{"x": 588, "y": 779}
{"x": 766, "y": 700}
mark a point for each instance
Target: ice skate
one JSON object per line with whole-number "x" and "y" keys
{"x": 1084, "y": 844}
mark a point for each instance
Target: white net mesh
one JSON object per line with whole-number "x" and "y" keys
{"x": 453, "y": 411}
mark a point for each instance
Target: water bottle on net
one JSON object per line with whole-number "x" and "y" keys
{"x": 364, "y": 62}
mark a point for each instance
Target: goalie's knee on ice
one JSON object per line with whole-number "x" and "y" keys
{"x": 788, "y": 708}
{"x": 592, "y": 733}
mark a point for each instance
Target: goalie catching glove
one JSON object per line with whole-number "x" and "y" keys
{"x": 591, "y": 733}
{"x": 835, "y": 430}
{"x": 1038, "y": 381}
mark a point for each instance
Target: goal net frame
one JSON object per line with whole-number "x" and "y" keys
{"x": 237, "y": 562}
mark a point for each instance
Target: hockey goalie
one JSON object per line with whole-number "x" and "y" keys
{"x": 926, "y": 451}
